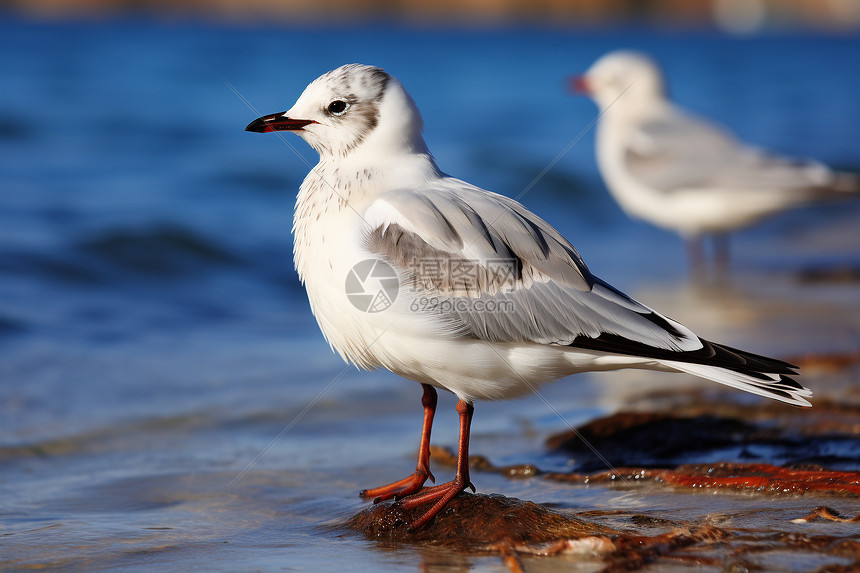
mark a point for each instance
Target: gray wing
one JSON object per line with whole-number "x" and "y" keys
{"x": 495, "y": 271}
{"x": 679, "y": 151}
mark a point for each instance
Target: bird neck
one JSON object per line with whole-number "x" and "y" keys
{"x": 354, "y": 182}
{"x": 337, "y": 192}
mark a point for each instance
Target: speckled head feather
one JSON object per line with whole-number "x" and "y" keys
{"x": 347, "y": 106}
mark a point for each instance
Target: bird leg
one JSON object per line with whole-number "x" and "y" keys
{"x": 443, "y": 493}
{"x": 696, "y": 253}
{"x": 414, "y": 482}
{"x": 722, "y": 250}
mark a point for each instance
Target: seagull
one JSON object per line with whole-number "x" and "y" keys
{"x": 491, "y": 301}
{"x": 680, "y": 172}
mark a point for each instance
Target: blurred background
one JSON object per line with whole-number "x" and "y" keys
{"x": 154, "y": 338}
{"x": 730, "y": 15}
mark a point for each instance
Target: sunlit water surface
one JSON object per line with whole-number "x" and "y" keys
{"x": 157, "y": 353}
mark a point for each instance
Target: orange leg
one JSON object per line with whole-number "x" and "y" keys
{"x": 415, "y": 482}
{"x": 696, "y": 253}
{"x": 443, "y": 493}
{"x": 722, "y": 251}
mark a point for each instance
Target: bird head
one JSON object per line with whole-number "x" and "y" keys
{"x": 349, "y": 110}
{"x": 632, "y": 74}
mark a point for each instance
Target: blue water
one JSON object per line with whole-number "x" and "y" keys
{"x": 155, "y": 341}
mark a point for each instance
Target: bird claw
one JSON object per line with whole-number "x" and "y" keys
{"x": 399, "y": 489}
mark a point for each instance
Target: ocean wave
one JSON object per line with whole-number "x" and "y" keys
{"x": 164, "y": 250}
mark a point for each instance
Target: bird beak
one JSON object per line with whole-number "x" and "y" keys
{"x": 579, "y": 85}
{"x": 277, "y": 122}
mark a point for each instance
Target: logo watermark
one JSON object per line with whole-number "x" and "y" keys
{"x": 372, "y": 285}
{"x": 442, "y": 286}
{"x": 465, "y": 277}
{"x": 460, "y": 305}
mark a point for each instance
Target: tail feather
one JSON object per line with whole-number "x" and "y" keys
{"x": 749, "y": 372}
{"x": 736, "y": 368}
{"x": 781, "y": 388}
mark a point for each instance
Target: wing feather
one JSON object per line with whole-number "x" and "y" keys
{"x": 489, "y": 269}
{"x": 676, "y": 151}
{"x": 510, "y": 277}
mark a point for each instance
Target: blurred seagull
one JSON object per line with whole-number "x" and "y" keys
{"x": 492, "y": 300}
{"x": 682, "y": 173}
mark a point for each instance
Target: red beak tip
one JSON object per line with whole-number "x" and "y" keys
{"x": 579, "y": 85}
{"x": 277, "y": 122}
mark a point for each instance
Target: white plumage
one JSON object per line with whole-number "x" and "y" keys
{"x": 675, "y": 170}
{"x": 527, "y": 312}
{"x": 372, "y": 185}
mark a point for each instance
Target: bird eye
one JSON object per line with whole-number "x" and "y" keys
{"x": 338, "y": 107}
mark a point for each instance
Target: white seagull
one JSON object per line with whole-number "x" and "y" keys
{"x": 492, "y": 300}
{"x": 683, "y": 173}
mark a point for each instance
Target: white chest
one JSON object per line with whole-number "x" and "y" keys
{"x": 329, "y": 233}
